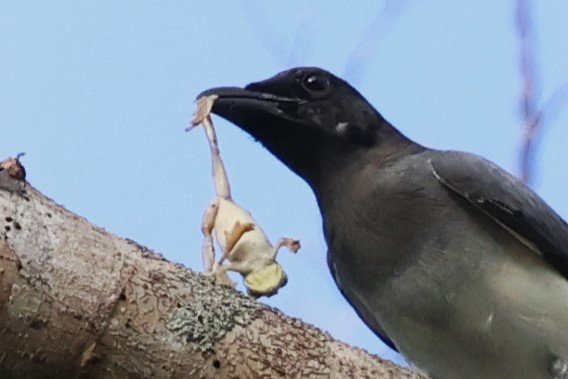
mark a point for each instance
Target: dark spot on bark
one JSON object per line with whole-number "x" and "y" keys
{"x": 48, "y": 214}
{"x": 38, "y": 323}
{"x": 7, "y": 227}
{"x": 17, "y": 225}
{"x": 156, "y": 276}
{"x": 178, "y": 305}
{"x": 9, "y": 219}
{"x": 122, "y": 295}
{"x": 216, "y": 363}
{"x": 128, "y": 323}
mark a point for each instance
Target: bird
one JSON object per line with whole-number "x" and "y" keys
{"x": 448, "y": 258}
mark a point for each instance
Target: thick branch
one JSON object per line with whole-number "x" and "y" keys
{"x": 79, "y": 302}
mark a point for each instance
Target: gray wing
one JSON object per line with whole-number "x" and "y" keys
{"x": 508, "y": 201}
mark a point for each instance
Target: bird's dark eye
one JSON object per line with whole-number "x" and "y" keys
{"x": 315, "y": 83}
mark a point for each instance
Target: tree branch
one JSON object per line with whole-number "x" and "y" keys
{"x": 532, "y": 116}
{"x": 533, "y": 127}
{"x": 79, "y": 302}
{"x": 366, "y": 45}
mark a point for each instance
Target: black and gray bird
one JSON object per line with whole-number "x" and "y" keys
{"x": 448, "y": 258}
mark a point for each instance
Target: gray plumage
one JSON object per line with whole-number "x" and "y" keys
{"x": 449, "y": 259}
{"x": 458, "y": 293}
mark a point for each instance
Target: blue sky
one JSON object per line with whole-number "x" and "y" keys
{"x": 98, "y": 95}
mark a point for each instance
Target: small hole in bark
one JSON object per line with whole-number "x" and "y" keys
{"x": 7, "y": 227}
{"x": 216, "y": 363}
{"x": 122, "y": 295}
{"x": 37, "y": 323}
{"x": 128, "y": 323}
{"x": 17, "y": 226}
{"x": 178, "y": 305}
{"x": 48, "y": 214}
{"x": 9, "y": 219}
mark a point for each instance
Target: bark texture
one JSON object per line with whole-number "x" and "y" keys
{"x": 79, "y": 302}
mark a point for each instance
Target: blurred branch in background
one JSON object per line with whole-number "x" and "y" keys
{"x": 265, "y": 31}
{"x": 306, "y": 34}
{"x": 366, "y": 46}
{"x": 533, "y": 116}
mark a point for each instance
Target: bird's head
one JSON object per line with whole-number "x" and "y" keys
{"x": 310, "y": 119}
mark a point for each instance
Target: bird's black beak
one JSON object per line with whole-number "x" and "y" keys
{"x": 243, "y": 106}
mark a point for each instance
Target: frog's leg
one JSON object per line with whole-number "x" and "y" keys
{"x": 233, "y": 237}
{"x": 219, "y": 270}
{"x": 207, "y": 248}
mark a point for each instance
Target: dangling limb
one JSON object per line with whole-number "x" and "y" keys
{"x": 207, "y": 248}
{"x": 292, "y": 244}
{"x": 221, "y": 271}
{"x": 203, "y": 116}
{"x": 220, "y": 179}
{"x": 233, "y": 237}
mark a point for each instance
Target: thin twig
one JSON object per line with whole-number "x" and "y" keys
{"x": 535, "y": 125}
{"x": 533, "y": 116}
{"x": 274, "y": 42}
{"x": 530, "y": 116}
{"x": 366, "y": 45}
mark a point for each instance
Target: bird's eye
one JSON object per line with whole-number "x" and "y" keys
{"x": 315, "y": 83}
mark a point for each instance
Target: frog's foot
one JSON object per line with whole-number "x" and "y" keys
{"x": 292, "y": 244}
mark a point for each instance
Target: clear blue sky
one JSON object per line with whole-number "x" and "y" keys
{"x": 98, "y": 94}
